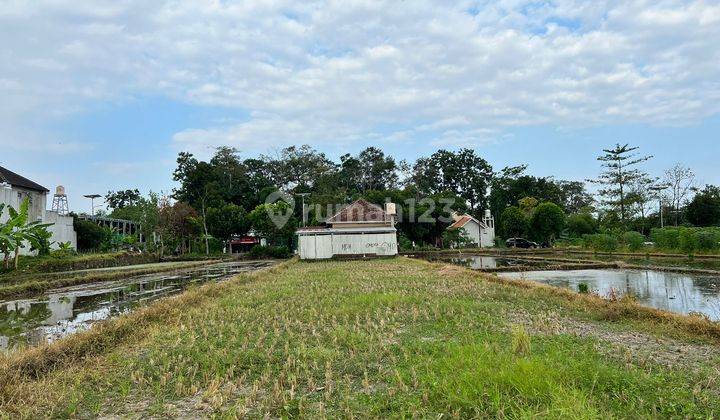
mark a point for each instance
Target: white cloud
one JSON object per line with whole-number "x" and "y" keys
{"x": 339, "y": 71}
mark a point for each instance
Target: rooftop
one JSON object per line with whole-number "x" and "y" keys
{"x": 16, "y": 180}
{"x": 360, "y": 211}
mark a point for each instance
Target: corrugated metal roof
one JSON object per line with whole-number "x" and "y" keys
{"x": 16, "y": 180}
{"x": 463, "y": 220}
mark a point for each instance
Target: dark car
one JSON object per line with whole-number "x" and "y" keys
{"x": 521, "y": 243}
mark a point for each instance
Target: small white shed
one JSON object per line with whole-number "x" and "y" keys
{"x": 360, "y": 229}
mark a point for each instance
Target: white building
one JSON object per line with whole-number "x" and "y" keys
{"x": 15, "y": 188}
{"x": 480, "y": 233}
{"x": 360, "y": 229}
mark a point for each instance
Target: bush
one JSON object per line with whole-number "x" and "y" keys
{"x": 259, "y": 251}
{"x": 581, "y": 224}
{"x": 90, "y": 236}
{"x": 708, "y": 240}
{"x": 688, "y": 240}
{"x": 666, "y": 238}
{"x": 600, "y": 242}
{"x": 633, "y": 240}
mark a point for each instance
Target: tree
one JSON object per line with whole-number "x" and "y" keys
{"x": 296, "y": 166}
{"x": 122, "y": 199}
{"x": 273, "y": 229}
{"x": 640, "y": 193}
{"x": 547, "y": 222}
{"x": 620, "y": 170}
{"x": 681, "y": 181}
{"x": 462, "y": 173}
{"x": 176, "y": 225}
{"x": 16, "y": 230}
{"x": 226, "y": 221}
{"x": 514, "y": 223}
{"x": 704, "y": 209}
{"x": 90, "y": 236}
{"x": 580, "y": 224}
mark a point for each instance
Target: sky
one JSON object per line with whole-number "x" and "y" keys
{"x": 102, "y": 95}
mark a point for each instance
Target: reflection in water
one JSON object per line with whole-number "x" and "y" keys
{"x": 682, "y": 293}
{"x": 480, "y": 262}
{"x": 64, "y": 311}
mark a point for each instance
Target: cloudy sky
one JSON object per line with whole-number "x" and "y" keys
{"x": 102, "y": 95}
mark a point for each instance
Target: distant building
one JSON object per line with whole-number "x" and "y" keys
{"x": 244, "y": 243}
{"x": 14, "y": 189}
{"x": 480, "y": 233}
{"x": 361, "y": 229}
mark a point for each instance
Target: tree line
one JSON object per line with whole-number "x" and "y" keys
{"x": 226, "y": 195}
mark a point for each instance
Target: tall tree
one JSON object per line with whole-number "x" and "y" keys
{"x": 121, "y": 199}
{"x": 298, "y": 166}
{"x": 704, "y": 209}
{"x": 462, "y": 173}
{"x": 681, "y": 181}
{"x": 620, "y": 165}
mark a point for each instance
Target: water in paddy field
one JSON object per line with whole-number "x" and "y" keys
{"x": 481, "y": 262}
{"x": 675, "y": 292}
{"x": 61, "y": 312}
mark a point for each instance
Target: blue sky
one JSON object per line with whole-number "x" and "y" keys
{"x": 103, "y": 95}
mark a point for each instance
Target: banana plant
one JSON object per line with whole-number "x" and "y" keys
{"x": 16, "y": 230}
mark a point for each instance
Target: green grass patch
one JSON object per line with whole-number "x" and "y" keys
{"x": 383, "y": 338}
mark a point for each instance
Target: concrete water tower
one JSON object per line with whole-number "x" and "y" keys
{"x": 60, "y": 201}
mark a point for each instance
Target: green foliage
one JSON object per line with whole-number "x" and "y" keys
{"x": 228, "y": 220}
{"x": 16, "y": 230}
{"x": 462, "y": 173}
{"x": 513, "y": 222}
{"x": 457, "y": 238}
{"x": 633, "y": 240}
{"x": 688, "y": 240}
{"x": 580, "y": 224}
{"x": 708, "y": 240}
{"x": 404, "y": 244}
{"x": 601, "y": 242}
{"x": 90, "y": 236}
{"x": 583, "y": 288}
{"x": 620, "y": 171}
{"x": 704, "y": 209}
{"x": 259, "y": 251}
{"x": 277, "y": 230}
{"x": 547, "y": 222}
{"x": 667, "y": 238}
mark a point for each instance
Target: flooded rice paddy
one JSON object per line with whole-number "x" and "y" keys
{"x": 61, "y": 312}
{"x": 676, "y": 292}
{"x": 484, "y": 262}
{"x": 657, "y": 288}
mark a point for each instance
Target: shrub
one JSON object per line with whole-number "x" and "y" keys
{"x": 90, "y": 236}
{"x": 707, "y": 240}
{"x": 259, "y": 251}
{"x": 600, "y": 242}
{"x": 583, "y": 288}
{"x": 666, "y": 238}
{"x": 633, "y": 240}
{"x": 581, "y": 224}
{"x": 688, "y": 240}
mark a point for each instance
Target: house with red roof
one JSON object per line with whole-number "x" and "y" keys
{"x": 480, "y": 232}
{"x": 361, "y": 229}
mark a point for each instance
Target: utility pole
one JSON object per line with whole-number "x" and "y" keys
{"x": 659, "y": 189}
{"x": 302, "y": 195}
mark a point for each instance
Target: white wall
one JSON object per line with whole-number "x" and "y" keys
{"x": 62, "y": 229}
{"x": 327, "y": 245}
{"x": 63, "y": 225}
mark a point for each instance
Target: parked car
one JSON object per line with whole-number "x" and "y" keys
{"x": 521, "y": 243}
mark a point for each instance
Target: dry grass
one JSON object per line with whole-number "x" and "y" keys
{"x": 385, "y": 338}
